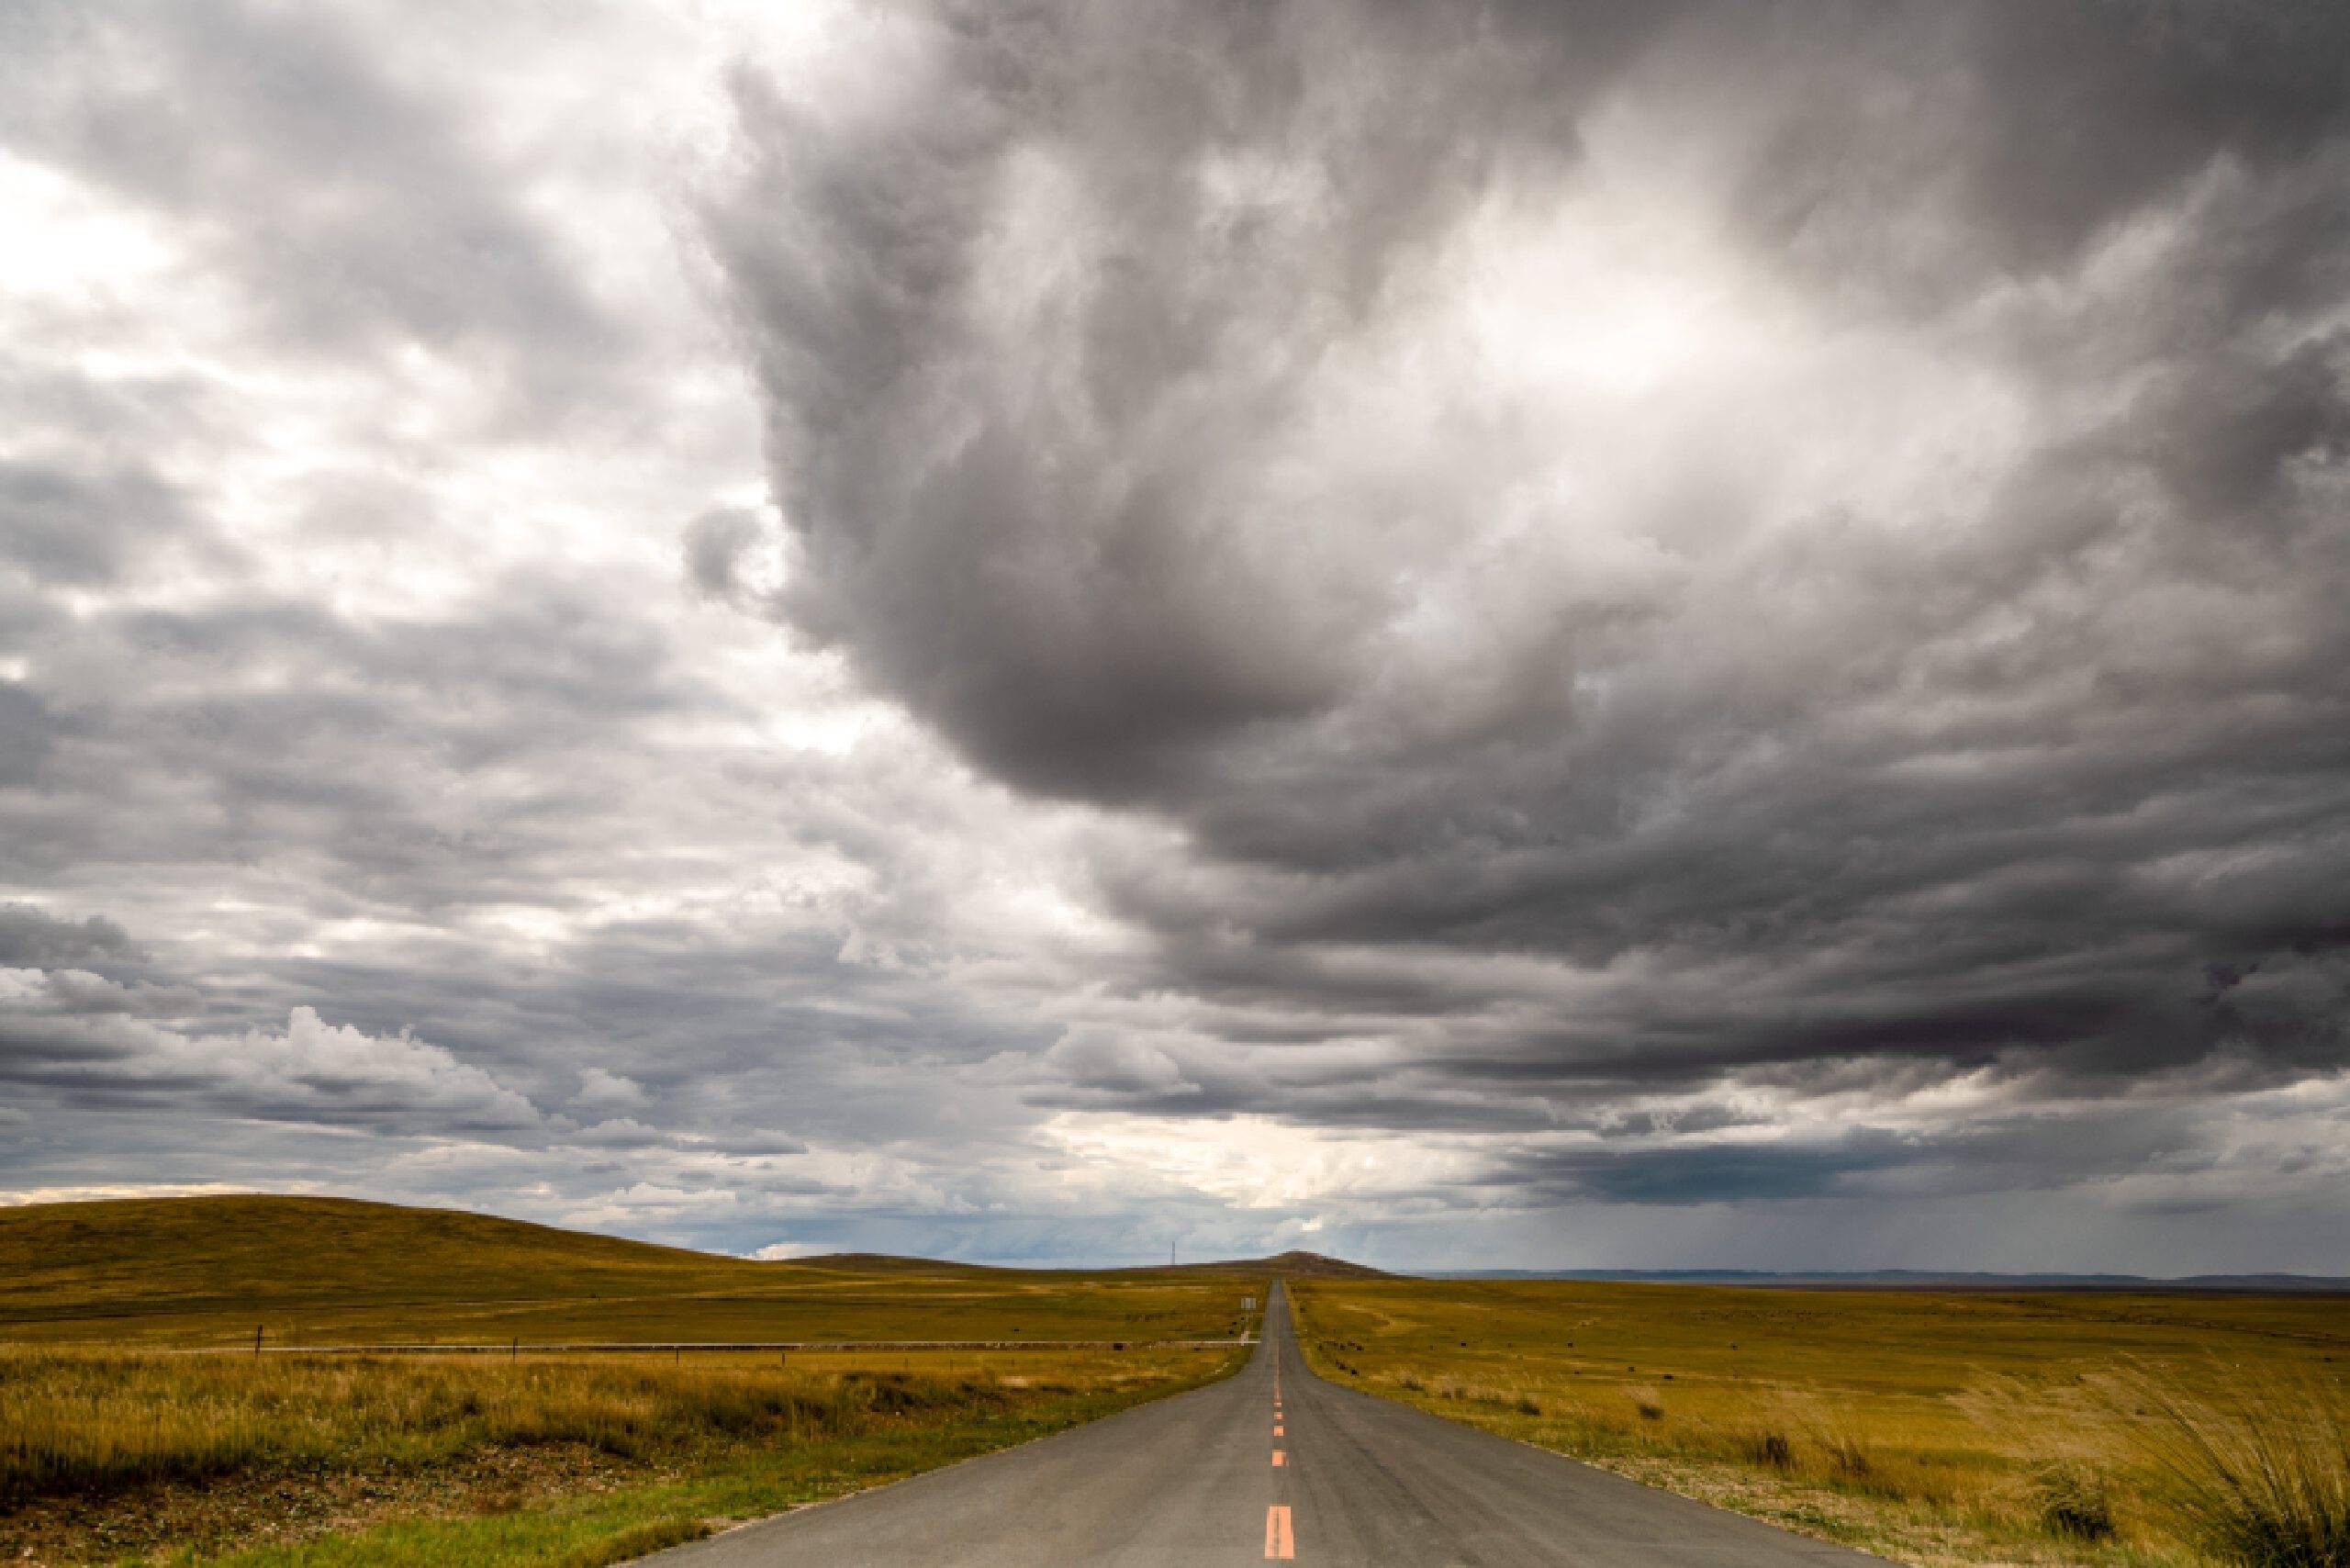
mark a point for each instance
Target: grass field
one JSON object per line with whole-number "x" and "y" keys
{"x": 2044, "y": 1427}
{"x": 119, "y": 1441}
{"x": 317, "y": 1460}
{"x": 321, "y": 1271}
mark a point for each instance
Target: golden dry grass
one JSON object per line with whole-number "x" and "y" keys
{"x": 191, "y": 1453}
{"x": 209, "y": 1270}
{"x": 121, "y": 1435}
{"x": 87, "y": 1424}
{"x": 2257, "y": 1473}
{"x": 1934, "y": 1428}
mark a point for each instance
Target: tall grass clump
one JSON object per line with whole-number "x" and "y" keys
{"x": 1842, "y": 1445}
{"x": 2257, "y": 1474}
{"x": 2064, "y": 1441}
{"x": 2071, "y": 1501}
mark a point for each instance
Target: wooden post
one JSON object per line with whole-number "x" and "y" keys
{"x": 514, "y": 1351}
{"x": 257, "y": 1327}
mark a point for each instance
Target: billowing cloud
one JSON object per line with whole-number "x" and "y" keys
{"x": 1591, "y": 633}
{"x": 82, "y": 1037}
{"x": 1721, "y": 539}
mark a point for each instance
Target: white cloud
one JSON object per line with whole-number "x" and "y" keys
{"x": 1094, "y": 1058}
{"x": 600, "y": 1087}
{"x": 339, "y": 1071}
{"x": 1258, "y": 1162}
{"x": 89, "y": 1194}
{"x": 309, "y": 1070}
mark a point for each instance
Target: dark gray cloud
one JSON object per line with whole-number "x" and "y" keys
{"x": 32, "y": 940}
{"x": 716, "y": 544}
{"x": 1126, "y": 425}
{"x": 61, "y": 526}
{"x": 28, "y": 730}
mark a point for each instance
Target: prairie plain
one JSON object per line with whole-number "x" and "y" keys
{"x": 188, "y": 1272}
{"x": 138, "y": 1424}
{"x": 1933, "y": 1428}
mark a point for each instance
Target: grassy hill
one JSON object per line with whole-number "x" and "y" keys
{"x": 1308, "y": 1265}
{"x": 178, "y": 1254}
{"x": 208, "y": 1269}
{"x": 109, "y": 1449}
{"x": 889, "y": 1263}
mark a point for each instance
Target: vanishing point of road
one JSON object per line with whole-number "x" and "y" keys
{"x": 1271, "y": 1463}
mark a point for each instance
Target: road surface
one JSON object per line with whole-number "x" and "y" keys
{"x": 1272, "y": 1462}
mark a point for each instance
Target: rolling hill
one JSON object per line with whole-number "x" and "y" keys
{"x": 1312, "y": 1265}
{"x": 208, "y": 1269}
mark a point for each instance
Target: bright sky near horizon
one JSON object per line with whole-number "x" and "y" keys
{"x": 1512, "y": 634}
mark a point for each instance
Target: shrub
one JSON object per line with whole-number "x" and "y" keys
{"x": 1769, "y": 1448}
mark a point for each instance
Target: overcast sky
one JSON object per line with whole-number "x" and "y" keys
{"x": 1607, "y": 633}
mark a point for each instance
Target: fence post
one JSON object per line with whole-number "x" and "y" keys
{"x": 257, "y": 1327}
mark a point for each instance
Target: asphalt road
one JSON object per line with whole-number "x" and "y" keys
{"x": 1271, "y": 1463}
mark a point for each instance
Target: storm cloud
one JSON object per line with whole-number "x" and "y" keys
{"x": 1591, "y": 634}
{"x": 1795, "y": 532}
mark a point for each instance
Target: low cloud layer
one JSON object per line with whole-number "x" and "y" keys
{"x": 1506, "y": 633}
